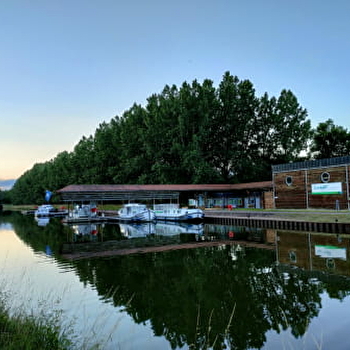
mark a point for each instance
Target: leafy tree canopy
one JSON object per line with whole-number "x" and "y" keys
{"x": 195, "y": 133}
{"x": 330, "y": 140}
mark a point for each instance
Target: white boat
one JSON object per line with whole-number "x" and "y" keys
{"x": 84, "y": 211}
{"x": 170, "y": 211}
{"x": 48, "y": 210}
{"x": 136, "y": 212}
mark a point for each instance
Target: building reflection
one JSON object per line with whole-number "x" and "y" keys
{"x": 314, "y": 251}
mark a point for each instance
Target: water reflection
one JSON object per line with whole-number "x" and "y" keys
{"x": 42, "y": 221}
{"x": 228, "y": 296}
{"x": 160, "y": 228}
{"x": 324, "y": 253}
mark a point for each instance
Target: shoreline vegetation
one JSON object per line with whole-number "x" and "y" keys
{"x": 43, "y": 328}
{"x": 21, "y": 331}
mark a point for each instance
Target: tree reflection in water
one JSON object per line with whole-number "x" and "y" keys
{"x": 189, "y": 296}
{"x": 220, "y": 297}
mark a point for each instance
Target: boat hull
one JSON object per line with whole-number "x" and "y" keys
{"x": 147, "y": 215}
{"x": 179, "y": 215}
{"x": 136, "y": 213}
{"x": 48, "y": 211}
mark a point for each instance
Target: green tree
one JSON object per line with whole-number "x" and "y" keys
{"x": 233, "y": 127}
{"x": 330, "y": 140}
{"x": 107, "y": 151}
{"x": 83, "y": 161}
{"x": 292, "y": 129}
{"x": 135, "y": 165}
{"x": 197, "y": 151}
{"x": 281, "y": 133}
{"x": 193, "y": 134}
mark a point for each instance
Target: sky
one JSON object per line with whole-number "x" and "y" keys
{"x": 67, "y": 66}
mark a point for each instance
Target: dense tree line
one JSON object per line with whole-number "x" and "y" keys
{"x": 197, "y": 133}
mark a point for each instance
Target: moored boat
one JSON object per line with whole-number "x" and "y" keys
{"x": 84, "y": 211}
{"x": 170, "y": 211}
{"x": 136, "y": 212}
{"x": 48, "y": 210}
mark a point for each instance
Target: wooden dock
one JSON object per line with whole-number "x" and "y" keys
{"x": 272, "y": 221}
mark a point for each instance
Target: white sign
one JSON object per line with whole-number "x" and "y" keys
{"x": 328, "y": 251}
{"x": 328, "y": 188}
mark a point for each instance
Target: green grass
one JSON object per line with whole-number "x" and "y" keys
{"x": 20, "y": 331}
{"x": 316, "y": 217}
{"x": 308, "y": 215}
{"x": 11, "y": 207}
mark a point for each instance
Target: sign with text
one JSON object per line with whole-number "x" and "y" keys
{"x": 327, "y": 188}
{"x": 328, "y": 251}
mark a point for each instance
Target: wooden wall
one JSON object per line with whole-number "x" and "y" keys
{"x": 293, "y": 196}
{"x": 298, "y": 194}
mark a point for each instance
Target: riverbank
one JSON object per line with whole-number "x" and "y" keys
{"x": 20, "y": 331}
{"x": 303, "y": 215}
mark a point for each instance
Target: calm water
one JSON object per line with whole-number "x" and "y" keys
{"x": 293, "y": 296}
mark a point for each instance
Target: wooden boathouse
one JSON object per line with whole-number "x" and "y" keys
{"x": 246, "y": 195}
{"x": 320, "y": 183}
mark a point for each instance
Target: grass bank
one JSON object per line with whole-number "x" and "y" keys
{"x": 316, "y": 216}
{"x": 19, "y": 331}
{"x": 308, "y": 215}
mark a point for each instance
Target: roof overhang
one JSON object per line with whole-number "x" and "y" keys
{"x": 148, "y": 192}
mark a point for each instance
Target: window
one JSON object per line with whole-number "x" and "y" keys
{"x": 325, "y": 177}
{"x": 289, "y": 180}
{"x": 292, "y": 256}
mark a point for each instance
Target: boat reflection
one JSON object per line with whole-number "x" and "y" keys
{"x": 137, "y": 230}
{"x": 166, "y": 228}
{"x": 42, "y": 221}
{"x": 160, "y": 228}
{"x": 85, "y": 232}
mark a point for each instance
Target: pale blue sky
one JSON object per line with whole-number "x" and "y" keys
{"x": 66, "y": 66}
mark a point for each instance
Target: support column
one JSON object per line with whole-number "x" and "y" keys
{"x": 306, "y": 190}
{"x": 273, "y": 191}
{"x": 347, "y": 185}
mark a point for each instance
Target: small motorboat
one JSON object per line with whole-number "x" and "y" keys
{"x": 136, "y": 212}
{"x": 48, "y": 210}
{"x": 170, "y": 211}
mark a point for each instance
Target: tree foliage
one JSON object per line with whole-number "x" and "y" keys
{"x": 196, "y": 133}
{"x": 330, "y": 140}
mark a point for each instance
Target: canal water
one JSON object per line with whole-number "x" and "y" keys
{"x": 253, "y": 289}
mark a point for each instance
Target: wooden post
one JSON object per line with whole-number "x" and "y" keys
{"x": 306, "y": 190}
{"x": 347, "y": 185}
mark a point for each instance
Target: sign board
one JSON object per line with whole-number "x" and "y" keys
{"x": 327, "y": 188}
{"x": 328, "y": 251}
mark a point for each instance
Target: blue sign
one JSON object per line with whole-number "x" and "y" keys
{"x": 48, "y": 195}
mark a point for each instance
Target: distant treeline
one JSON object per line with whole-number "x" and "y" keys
{"x": 197, "y": 133}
